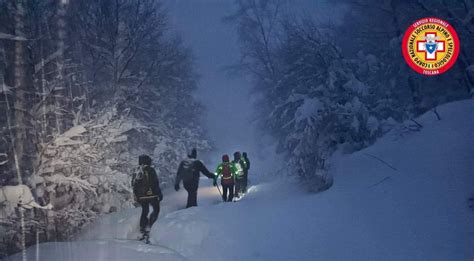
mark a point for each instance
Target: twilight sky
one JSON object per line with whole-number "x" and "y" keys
{"x": 229, "y": 105}
{"x": 215, "y": 46}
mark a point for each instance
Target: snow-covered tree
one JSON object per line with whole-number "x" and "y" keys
{"x": 321, "y": 103}
{"x": 380, "y": 26}
{"x": 87, "y": 87}
{"x": 339, "y": 87}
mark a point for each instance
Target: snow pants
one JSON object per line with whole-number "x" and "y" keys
{"x": 239, "y": 182}
{"x": 144, "y": 220}
{"x": 228, "y": 191}
{"x": 245, "y": 182}
{"x": 192, "y": 188}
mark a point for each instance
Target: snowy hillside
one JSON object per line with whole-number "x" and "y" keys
{"x": 404, "y": 198}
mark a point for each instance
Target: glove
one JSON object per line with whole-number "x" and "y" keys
{"x": 176, "y": 186}
{"x": 136, "y": 204}
{"x": 160, "y": 197}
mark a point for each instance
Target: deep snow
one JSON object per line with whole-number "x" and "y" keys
{"x": 404, "y": 198}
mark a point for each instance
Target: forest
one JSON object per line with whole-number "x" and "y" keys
{"x": 89, "y": 85}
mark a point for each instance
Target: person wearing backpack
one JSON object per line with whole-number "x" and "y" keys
{"x": 188, "y": 172}
{"x": 146, "y": 190}
{"x": 239, "y": 177}
{"x": 246, "y": 172}
{"x": 227, "y": 171}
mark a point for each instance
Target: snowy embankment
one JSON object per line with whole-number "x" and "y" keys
{"x": 404, "y": 198}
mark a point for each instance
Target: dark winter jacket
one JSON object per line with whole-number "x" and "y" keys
{"x": 247, "y": 161}
{"x": 198, "y": 167}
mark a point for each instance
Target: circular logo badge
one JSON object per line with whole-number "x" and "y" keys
{"x": 430, "y": 46}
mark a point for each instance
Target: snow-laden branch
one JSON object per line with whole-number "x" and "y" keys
{"x": 5, "y": 156}
{"x": 76, "y": 182}
{"x": 7, "y": 90}
{"x": 48, "y": 59}
{"x": 5, "y": 36}
{"x": 21, "y": 196}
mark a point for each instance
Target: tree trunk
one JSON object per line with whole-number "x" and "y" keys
{"x": 24, "y": 140}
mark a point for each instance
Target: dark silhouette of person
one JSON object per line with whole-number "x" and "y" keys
{"x": 146, "y": 189}
{"x": 188, "y": 172}
{"x": 239, "y": 177}
{"x": 246, "y": 172}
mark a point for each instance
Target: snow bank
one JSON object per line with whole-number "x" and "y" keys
{"x": 405, "y": 198}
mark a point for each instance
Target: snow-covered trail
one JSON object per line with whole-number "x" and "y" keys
{"x": 124, "y": 224}
{"x": 113, "y": 236}
{"x": 100, "y": 250}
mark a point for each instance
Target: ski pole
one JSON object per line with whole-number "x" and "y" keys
{"x": 218, "y": 189}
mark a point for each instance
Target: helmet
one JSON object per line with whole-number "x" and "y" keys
{"x": 225, "y": 158}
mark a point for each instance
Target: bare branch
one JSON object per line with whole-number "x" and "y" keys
{"x": 381, "y": 181}
{"x": 436, "y": 112}
{"x": 381, "y": 160}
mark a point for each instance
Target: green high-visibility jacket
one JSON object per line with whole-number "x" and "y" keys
{"x": 240, "y": 169}
{"x": 233, "y": 169}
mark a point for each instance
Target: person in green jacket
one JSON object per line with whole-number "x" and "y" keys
{"x": 227, "y": 171}
{"x": 240, "y": 165}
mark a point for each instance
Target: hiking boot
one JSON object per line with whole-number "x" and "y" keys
{"x": 143, "y": 236}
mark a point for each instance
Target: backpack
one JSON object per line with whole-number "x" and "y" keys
{"x": 240, "y": 170}
{"x": 141, "y": 183}
{"x": 227, "y": 178}
{"x": 186, "y": 171}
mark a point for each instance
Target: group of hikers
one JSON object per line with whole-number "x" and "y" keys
{"x": 234, "y": 175}
{"x": 146, "y": 188}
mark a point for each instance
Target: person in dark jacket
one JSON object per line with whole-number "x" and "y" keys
{"x": 246, "y": 172}
{"x": 188, "y": 172}
{"x": 146, "y": 189}
{"x": 239, "y": 177}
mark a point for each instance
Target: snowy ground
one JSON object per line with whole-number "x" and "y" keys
{"x": 411, "y": 206}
